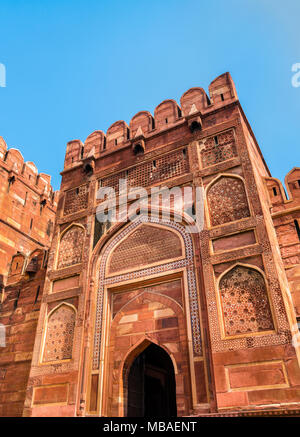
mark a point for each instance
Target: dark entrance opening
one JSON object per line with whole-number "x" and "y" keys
{"x": 151, "y": 385}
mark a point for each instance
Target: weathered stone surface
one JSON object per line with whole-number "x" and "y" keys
{"x": 221, "y": 303}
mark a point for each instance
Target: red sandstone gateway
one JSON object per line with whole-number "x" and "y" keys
{"x": 143, "y": 318}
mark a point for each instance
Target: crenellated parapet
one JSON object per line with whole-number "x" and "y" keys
{"x": 12, "y": 161}
{"x": 292, "y": 182}
{"x": 195, "y": 105}
{"x": 285, "y": 210}
{"x": 27, "y": 207}
{"x": 288, "y": 197}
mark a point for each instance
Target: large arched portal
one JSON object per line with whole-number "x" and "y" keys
{"x": 151, "y": 389}
{"x": 147, "y": 290}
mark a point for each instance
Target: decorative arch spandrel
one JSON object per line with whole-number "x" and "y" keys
{"x": 59, "y": 334}
{"x": 70, "y": 250}
{"x": 227, "y": 200}
{"x": 244, "y": 301}
{"x": 185, "y": 263}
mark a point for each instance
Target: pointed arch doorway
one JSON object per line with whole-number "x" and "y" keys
{"x": 151, "y": 387}
{"x": 142, "y": 298}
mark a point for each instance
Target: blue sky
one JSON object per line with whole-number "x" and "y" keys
{"x": 74, "y": 66}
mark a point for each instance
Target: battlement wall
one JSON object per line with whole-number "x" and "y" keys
{"x": 193, "y": 104}
{"x": 27, "y": 206}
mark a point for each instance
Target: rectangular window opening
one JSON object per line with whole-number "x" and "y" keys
{"x": 297, "y": 228}
{"x": 17, "y": 300}
{"x": 37, "y": 294}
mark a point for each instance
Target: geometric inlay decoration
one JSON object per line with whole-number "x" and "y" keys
{"x": 145, "y": 245}
{"x": 187, "y": 262}
{"x": 227, "y": 200}
{"x": 60, "y": 334}
{"x": 218, "y": 149}
{"x": 70, "y": 247}
{"x": 245, "y": 302}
